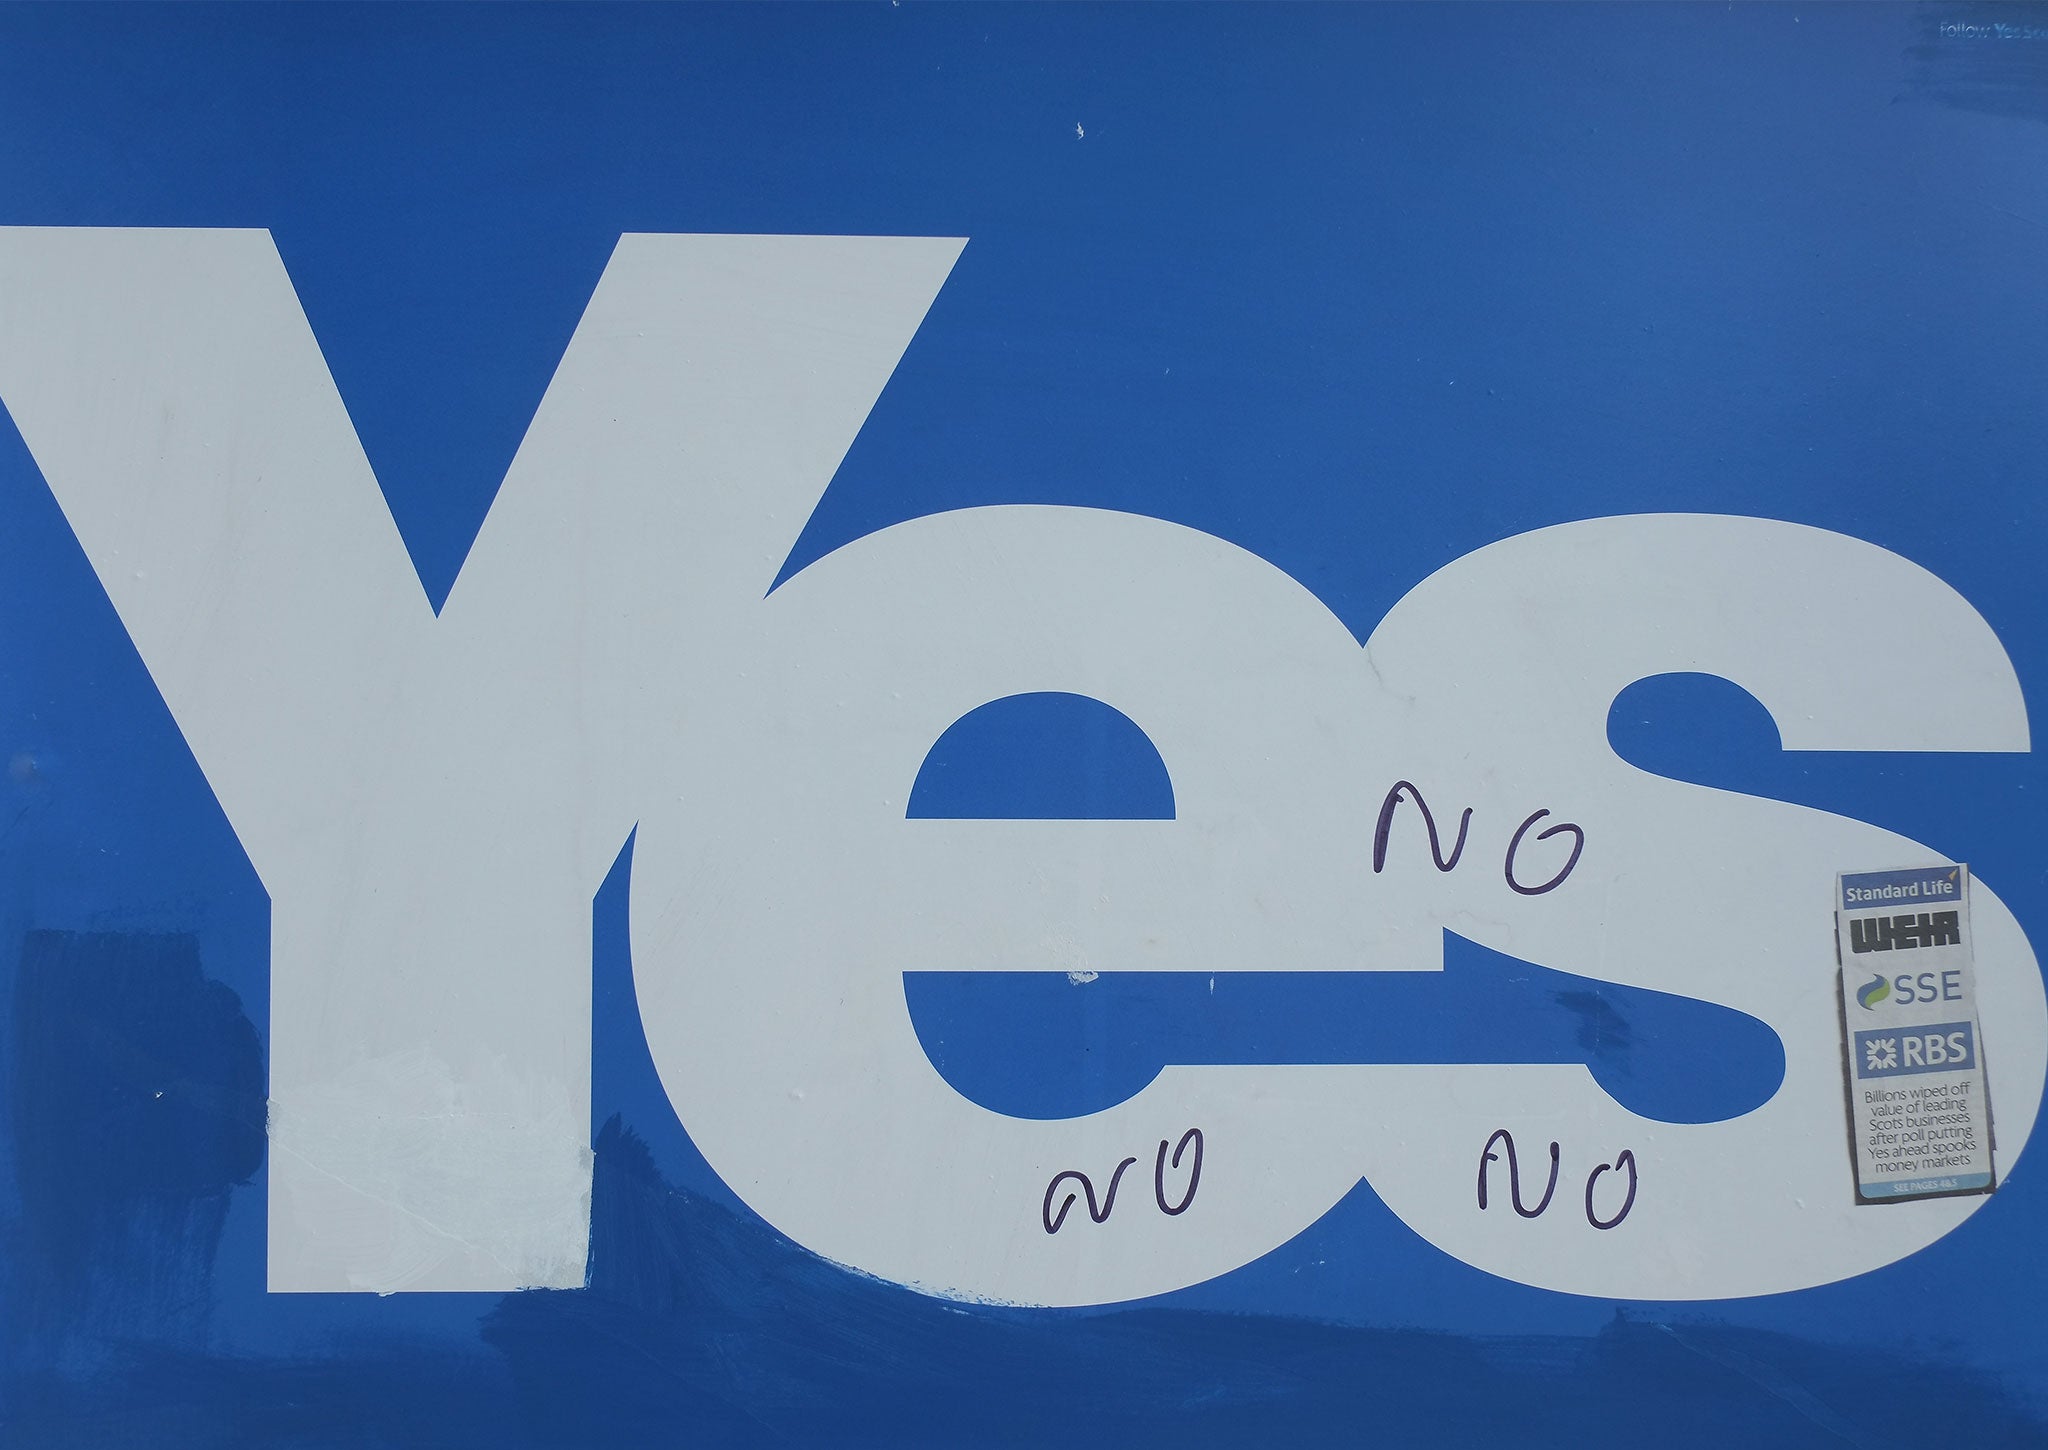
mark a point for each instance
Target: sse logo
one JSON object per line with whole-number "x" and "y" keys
{"x": 432, "y": 800}
{"x": 1906, "y": 988}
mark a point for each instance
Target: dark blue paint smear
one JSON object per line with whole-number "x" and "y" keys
{"x": 702, "y": 1326}
{"x": 137, "y": 1100}
{"x": 1039, "y": 1045}
{"x": 699, "y": 1318}
{"x": 1043, "y": 756}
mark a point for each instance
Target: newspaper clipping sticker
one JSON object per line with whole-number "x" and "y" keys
{"x": 1919, "y": 1117}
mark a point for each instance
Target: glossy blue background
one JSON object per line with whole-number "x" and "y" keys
{"x": 1358, "y": 289}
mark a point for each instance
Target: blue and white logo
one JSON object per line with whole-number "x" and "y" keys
{"x": 1934, "y": 1047}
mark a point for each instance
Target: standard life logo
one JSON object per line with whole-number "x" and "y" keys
{"x": 432, "y": 802}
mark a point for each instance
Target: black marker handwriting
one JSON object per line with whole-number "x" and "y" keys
{"x": 1192, "y": 1138}
{"x": 1193, "y": 1135}
{"x": 1384, "y": 829}
{"x": 1624, "y": 1161}
{"x": 1487, "y": 1155}
{"x": 1625, "y": 1157}
{"x": 1386, "y": 826}
{"x": 1052, "y": 1221}
{"x": 1578, "y": 845}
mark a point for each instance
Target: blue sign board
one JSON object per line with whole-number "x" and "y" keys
{"x": 909, "y": 725}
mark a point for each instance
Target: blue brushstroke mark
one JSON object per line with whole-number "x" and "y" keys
{"x": 702, "y": 1318}
{"x": 623, "y": 1077}
{"x": 1038, "y": 1045}
{"x": 703, "y": 1326}
{"x": 1043, "y": 756}
{"x": 137, "y": 1106}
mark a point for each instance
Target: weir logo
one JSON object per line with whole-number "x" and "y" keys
{"x": 1884, "y": 933}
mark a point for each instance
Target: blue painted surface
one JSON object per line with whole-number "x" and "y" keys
{"x": 137, "y": 1107}
{"x": 1040, "y": 1045}
{"x": 1046, "y": 756}
{"x": 1357, "y": 289}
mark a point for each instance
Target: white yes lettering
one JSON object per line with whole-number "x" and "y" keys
{"x": 432, "y": 802}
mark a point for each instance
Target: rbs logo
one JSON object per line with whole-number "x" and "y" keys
{"x": 1942, "y": 1047}
{"x": 432, "y": 800}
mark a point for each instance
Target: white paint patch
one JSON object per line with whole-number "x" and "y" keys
{"x": 380, "y": 1168}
